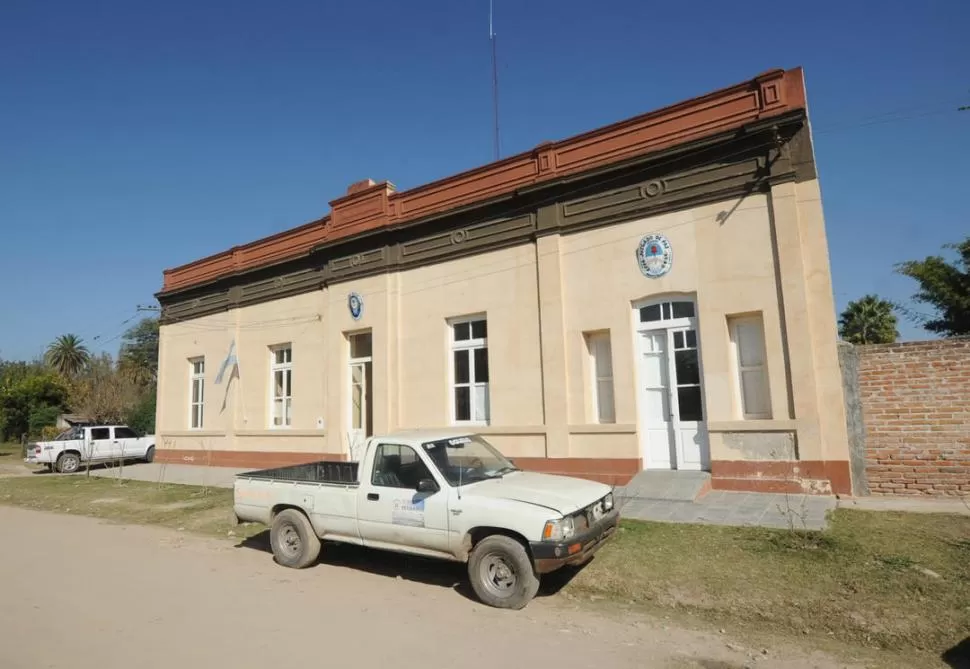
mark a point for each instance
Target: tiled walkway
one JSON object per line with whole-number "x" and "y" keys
{"x": 720, "y": 507}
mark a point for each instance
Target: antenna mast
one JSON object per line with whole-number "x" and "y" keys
{"x": 491, "y": 37}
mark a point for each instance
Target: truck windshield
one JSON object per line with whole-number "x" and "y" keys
{"x": 467, "y": 459}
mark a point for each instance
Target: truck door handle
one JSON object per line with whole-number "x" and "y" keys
{"x": 373, "y": 497}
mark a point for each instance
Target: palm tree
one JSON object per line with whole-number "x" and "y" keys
{"x": 67, "y": 355}
{"x": 868, "y": 320}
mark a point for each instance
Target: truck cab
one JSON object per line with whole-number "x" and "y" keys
{"x": 442, "y": 494}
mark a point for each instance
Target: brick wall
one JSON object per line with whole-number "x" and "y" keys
{"x": 916, "y": 409}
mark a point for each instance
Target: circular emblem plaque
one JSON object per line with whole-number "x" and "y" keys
{"x": 356, "y": 305}
{"x": 654, "y": 256}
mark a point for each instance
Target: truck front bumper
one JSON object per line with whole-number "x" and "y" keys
{"x": 577, "y": 550}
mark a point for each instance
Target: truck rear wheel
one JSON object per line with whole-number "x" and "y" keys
{"x": 294, "y": 541}
{"x": 501, "y": 573}
{"x": 68, "y": 463}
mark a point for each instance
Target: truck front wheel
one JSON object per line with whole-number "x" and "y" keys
{"x": 295, "y": 543}
{"x": 501, "y": 573}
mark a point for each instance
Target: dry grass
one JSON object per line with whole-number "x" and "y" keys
{"x": 864, "y": 581}
{"x": 10, "y": 451}
{"x": 189, "y": 508}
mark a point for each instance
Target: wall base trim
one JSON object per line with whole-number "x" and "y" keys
{"x": 812, "y": 477}
{"x": 241, "y": 459}
{"x": 612, "y": 471}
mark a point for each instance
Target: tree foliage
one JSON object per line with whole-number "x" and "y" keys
{"x": 138, "y": 357}
{"x": 67, "y": 355}
{"x": 103, "y": 393}
{"x": 31, "y": 397}
{"x": 868, "y": 320}
{"x": 141, "y": 417}
{"x": 34, "y": 394}
{"x": 946, "y": 287}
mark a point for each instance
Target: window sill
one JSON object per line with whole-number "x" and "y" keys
{"x": 281, "y": 431}
{"x": 469, "y": 423}
{"x": 603, "y": 428}
{"x": 191, "y": 432}
{"x": 509, "y": 431}
{"x": 765, "y": 425}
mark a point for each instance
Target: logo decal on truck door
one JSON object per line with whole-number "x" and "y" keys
{"x": 408, "y": 512}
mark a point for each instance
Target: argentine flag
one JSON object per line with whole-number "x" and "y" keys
{"x": 230, "y": 361}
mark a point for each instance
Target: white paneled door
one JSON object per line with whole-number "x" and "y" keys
{"x": 360, "y": 393}
{"x": 655, "y": 421}
{"x": 673, "y": 432}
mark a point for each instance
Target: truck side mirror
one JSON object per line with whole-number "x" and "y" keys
{"x": 427, "y": 485}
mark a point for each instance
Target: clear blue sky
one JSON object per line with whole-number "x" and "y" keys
{"x": 138, "y": 135}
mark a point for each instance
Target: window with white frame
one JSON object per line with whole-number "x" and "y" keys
{"x": 748, "y": 344}
{"x": 281, "y": 374}
{"x": 469, "y": 370}
{"x": 601, "y": 376}
{"x": 197, "y": 390}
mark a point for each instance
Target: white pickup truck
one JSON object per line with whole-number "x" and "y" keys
{"x": 98, "y": 443}
{"x": 448, "y": 495}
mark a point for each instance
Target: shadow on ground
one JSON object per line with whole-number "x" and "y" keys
{"x": 439, "y": 573}
{"x": 958, "y": 657}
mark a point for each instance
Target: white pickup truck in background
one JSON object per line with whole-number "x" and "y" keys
{"x": 99, "y": 443}
{"x": 448, "y": 495}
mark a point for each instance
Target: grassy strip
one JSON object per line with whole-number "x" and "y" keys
{"x": 877, "y": 579}
{"x": 195, "y": 509}
{"x": 10, "y": 450}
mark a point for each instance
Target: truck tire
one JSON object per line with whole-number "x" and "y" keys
{"x": 68, "y": 463}
{"x": 295, "y": 543}
{"x": 150, "y": 454}
{"x": 501, "y": 573}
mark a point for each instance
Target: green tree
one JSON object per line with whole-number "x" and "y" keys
{"x": 139, "y": 352}
{"x": 14, "y": 371}
{"x": 945, "y": 286}
{"x": 41, "y": 417}
{"x": 141, "y": 417}
{"x": 868, "y": 320}
{"x": 68, "y": 355}
{"x": 31, "y": 398}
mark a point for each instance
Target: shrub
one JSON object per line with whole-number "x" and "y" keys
{"x": 41, "y": 417}
{"x": 49, "y": 432}
{"x": 141, "y": 418}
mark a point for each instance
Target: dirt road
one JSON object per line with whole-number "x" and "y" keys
{"x": 76, "y": 592}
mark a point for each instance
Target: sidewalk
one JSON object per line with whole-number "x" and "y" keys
{"x": 742, "y": 509}
{"x": 155, "y": 472}
{"x": 717, "y": 507}
{"x": 911, "y": 504}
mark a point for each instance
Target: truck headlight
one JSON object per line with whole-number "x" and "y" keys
{"x": 558, "y": 530}
{"x": 608, "y": 502}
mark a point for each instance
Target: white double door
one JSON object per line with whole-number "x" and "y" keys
{"x": 673, "y": 432}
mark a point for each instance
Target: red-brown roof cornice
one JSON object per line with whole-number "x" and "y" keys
{"x": 369, "y": 206}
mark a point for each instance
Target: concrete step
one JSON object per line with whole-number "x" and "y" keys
{"x": 672, "y": 486}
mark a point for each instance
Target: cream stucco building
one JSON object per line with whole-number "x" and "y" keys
{"x": 653, "y": 294}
